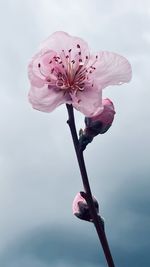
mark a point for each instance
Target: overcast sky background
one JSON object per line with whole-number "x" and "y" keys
{"x": 39, "y": 176}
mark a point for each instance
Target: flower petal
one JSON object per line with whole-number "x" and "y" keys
{"x": 60, "y": 41}
{"x": 89, "y": 101}
{"x": 111, "y": 69}
{"x": 46, "y": 99}
{"x": 38, "y": 75}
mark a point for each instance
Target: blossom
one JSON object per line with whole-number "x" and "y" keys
{"x": 80, "y": 207}
{"x": 64, "y": 71}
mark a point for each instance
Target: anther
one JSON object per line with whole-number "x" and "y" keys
{"x": 39, "y": 65}
{"x": 59, "y": 74}
{"x": 78, "y": 46}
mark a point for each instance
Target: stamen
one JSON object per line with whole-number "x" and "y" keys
{"x": 64, "y": 60}
{"x": 79, "y": 53}
{"x": 69, "y": 73}
{"x": 42, "y": 73}
{"x": 48, "y": 79}
{"x": 91, "y": 67}
{"x": 79, "y": 68}
{"x": 60, "y": 83}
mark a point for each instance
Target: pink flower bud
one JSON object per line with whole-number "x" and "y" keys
{"x": 101, "y": 123}
{"x": 80, "y": 207}
{"x": 98, "y": 124}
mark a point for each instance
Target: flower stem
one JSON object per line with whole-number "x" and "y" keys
{"x": 96, "y": 219}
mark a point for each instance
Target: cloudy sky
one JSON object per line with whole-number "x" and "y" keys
{"x": 39, "y": 176}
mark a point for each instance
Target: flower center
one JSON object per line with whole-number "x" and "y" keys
{"x": 67, "y": 73}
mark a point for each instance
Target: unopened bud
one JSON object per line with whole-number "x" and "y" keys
{"x": 98, "y": 124}
{"x": 101, "y": 123}
{"x": 80, "y": 207}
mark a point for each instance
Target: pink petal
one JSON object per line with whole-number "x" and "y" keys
{"x": 80, "y": 207}
{"x": 45, "y": 99}
{"x": 60, "y": 40}
{"x": 89, "y": 101}
{"x": 77, "y": 199}
{"x": 100, "y": 123}
{"x": 111, "y": 69}
{"x": 35, "y": 76}
{"x": 107, "y": 116}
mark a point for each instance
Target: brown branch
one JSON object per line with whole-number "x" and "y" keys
{"x": 96, "y": 219}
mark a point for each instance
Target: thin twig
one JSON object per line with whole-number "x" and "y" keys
{"x": 95, "y": 216}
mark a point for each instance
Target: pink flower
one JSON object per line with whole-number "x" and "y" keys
{"x": 80, "y": 207}
{"x": 63, "y": 71}
{"x": 100, "y": 123}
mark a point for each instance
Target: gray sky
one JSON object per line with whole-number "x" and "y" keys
{"x": 39, "y": 174}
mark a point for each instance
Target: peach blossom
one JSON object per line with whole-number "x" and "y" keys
{"x": 64, "y": 71}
